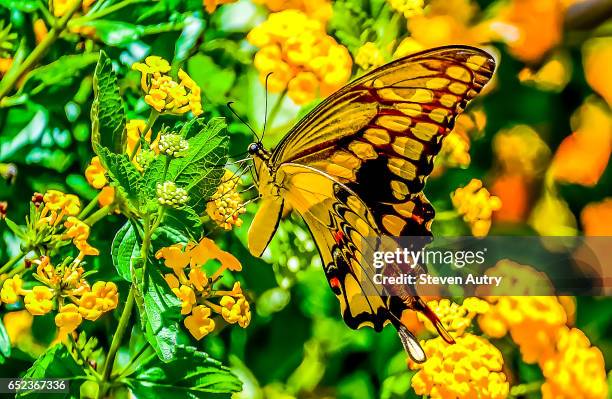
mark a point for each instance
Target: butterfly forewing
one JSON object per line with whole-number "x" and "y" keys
{"x": 379, "y": 134}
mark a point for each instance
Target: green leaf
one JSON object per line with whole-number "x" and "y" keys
{"x": 165, "y": 235}
{"x": 162, "y": 313}
{"x": 5, "y": 343}
{"x": 122, "y": 171}
{"x": 200, "y": 171}
{"x": 63, "y": 72}
{"x": 107, "y": 111}
{"x": 56, "y": 362}
{"x": 124, "y": 249}
{"x": 152, "y": 175}
{"x": 19, "y": 231}
{"x": 21, "y": 5}
{"x": 193, "y": 374}
{"x": 184, "y": 220}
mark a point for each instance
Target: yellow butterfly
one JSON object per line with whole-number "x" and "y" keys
{"x": 355, "y": 167}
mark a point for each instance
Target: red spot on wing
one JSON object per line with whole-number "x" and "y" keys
{"x": 334, "y": 283}
{"x": 338, "y": 236}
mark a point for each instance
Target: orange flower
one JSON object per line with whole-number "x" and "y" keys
{"x": 211, "y": 5}
{"x": 531, "y": 28}
{"x": 597, "y": 58}
{"x": 596, "y": 218}
{"x": 513, "y": 192}
{"x": 107, "y": 196}
{"x": 583, "y": 156}
{"x": 199, "y": 322}
{"x": 96, "y": 174}
{"x": 174, "y": 256}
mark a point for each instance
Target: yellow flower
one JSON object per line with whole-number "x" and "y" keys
{"x": 89, "y": 306}
{"x": 76, "y": 229}
{"x": 455, "y": 318}
{"x": 96, "y": 174}
{"x": 316, "y": 9}
{"x": 163, "y": 93}
{"x": 198, "y": 279}
{"x": 369, "y": 56}
{"x": 471, "y": 368}
{"x": 72, "y": 205}
{"x": 597, "y": 57}
{"x": 476, "y": 205}
{"x": 226, "y": 205}
{"x": 152, "y": 65}
{"x": 174, "y": 256}
{"x": 575, "y": 370}
{"x": 68, "y": 318}
{"x": 211, "y": 5}
{"x": 552, "y": 76}
{"x": 187, "y": 297}
{"x": 409, "y": 8}
{"x": 199, "y": 322}
{"x": 172, "y": 281}
{"x": 86, "y": 249}
{"x": 39, "y": 301}
{"x": 295, "y": 47}
{"x": 54, "y": 200}
{"x": 11, "y": 289}
{"x": 107, "y": 196}
{"x": 107, "y": 296}
{"x": 521, "y": 150}
{"x": 236, "y": 310}
{"x": 534, "y": 323}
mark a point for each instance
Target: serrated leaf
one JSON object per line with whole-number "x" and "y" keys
{"x": 60, "y": 73}
{"x": 108, "y": 121}
{"x": 193, "y": 374}
{"x": 184, "y": 220}
{"x": 200, "y": 171}
{"x": 125, "y": 247}
{"x": 165, "y": 235}
{"x": 153, "y": 174}
{"x": 162, "y": 311}
{"x": 122, "y": 171}
{"x": 56, "y": 362}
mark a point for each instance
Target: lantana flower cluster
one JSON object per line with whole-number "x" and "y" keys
{"x": 303, "y": 59}
{"x": 202, "y": 302}
{"x": 64, "y": 287}
{"x": 54, "y": 220}
{"x": 317, "y": 9}
{"x": 476, "y": 205}
{"x": 470, "y": 368}
{"x": 165, "y": 94}
{"x": 226, "y": 205}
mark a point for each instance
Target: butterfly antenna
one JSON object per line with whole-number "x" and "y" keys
{"x": 229, "y": 105}
{"x": 266, "y": 108}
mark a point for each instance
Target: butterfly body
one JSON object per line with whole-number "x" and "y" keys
{"x": 354, "y": 168}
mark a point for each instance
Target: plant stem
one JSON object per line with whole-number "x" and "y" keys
{"x": 11, "y": 262}
{"x": 104, "y": 12}
{"x": 97, "y": 215}
{"x": 112, "y": 352}
{"x": 39, "y": 51}
{"x": 126, "y": 371}
{"x": 92, "y": 204}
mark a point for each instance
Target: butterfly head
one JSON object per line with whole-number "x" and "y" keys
{"x": 257, "y": 150}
